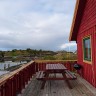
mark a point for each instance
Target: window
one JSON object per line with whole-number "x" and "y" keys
{"x": 87, "y": 48}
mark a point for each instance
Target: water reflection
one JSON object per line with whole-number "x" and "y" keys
{"x": 3, "y": 72}
{"x": 8, "y": 64}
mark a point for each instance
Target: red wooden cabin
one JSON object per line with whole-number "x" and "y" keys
{"x": 83, "y": 31}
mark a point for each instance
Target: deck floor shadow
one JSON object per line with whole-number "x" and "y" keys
{"x": 80, "y": 87}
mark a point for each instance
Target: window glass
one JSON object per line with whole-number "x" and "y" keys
{"x": 87, "y": 48}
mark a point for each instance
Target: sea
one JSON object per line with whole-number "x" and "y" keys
{"x": 7, "y": 64}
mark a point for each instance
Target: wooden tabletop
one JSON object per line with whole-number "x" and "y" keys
{"x": 55, "y": 67}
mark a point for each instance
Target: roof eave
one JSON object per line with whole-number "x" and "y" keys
{"x": 74, "y": 19}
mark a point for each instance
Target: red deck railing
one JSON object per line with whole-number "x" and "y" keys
{"x": 40, "y": 65}
{"x": 14, "y": 82}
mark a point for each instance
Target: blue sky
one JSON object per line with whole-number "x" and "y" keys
{"x": 36, "y": 24}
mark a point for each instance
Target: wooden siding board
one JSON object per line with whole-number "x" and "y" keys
{"x": 88, "y": 73}
{"x": 89, "y": 16}
{"x": 94, "y": 55}
{"x": 86, "y": 26}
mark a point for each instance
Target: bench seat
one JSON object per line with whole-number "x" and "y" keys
{"x": 70, "y": 75}
{"x": 40, "y": 75}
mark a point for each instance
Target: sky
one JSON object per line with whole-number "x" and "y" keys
{"x": 36, "y": 24}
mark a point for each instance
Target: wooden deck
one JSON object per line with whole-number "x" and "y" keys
{"x": 80, "y": 87}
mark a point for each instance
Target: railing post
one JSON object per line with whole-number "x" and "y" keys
{"x": 28, "y": 73}
{"x": 36, "y": 64}
{"x": 31, "y": 70}
{"x": 2, "y": 90}
{"x": 24, "y": 77}
{"x": 34, "y": 68}
{"x": 19, "y": 83}
{"x": 14, "y": 85}
{"x": 9, "y": 87}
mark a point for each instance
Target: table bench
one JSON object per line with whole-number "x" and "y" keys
{"x": 69, "y": 74}
{"x": 40, "y": 75}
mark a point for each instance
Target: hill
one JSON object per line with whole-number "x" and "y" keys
{"x": 29, "y": 54}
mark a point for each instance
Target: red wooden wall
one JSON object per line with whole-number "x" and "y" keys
{"x": 88, "y": 28}
{"x": 89, "y": 16}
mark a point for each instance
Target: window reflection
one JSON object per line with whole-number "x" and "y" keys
{"x": 87, "y": 49}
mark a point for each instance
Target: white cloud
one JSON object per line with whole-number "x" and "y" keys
{"x": 68, "y": 45}
{"x": 42, "y": 24}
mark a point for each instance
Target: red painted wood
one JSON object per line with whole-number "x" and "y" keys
{"x": 94, "y": 55}
{"x": 1, "y": 90}
{"x": 68, "y": 65}
{"x": 89, "y": 16}
{"x": 15, "y": 83}
{"x": 37, "y": 67}
{"x": 87, "y": 28}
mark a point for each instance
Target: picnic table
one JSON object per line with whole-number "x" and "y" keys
{"x": 53, "y": 69}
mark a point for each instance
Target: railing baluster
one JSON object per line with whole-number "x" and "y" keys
{"x": 2, "y": 89}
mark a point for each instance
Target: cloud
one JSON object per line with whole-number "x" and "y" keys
{"x": 68, "y": 46}
{"x": 41, "y": 24}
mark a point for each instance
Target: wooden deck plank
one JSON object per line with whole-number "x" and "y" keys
{"x": 80, "y": 87}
